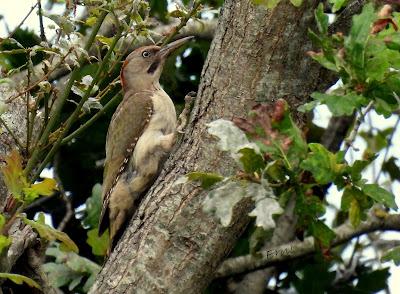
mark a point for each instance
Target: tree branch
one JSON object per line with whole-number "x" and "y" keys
{"x": 293, "y": 250}
{"x": 348, "y": 142}
{"x": 60, "y": 103}
{"x": 200, "y": 29}
{"x": 40, "y": 14}
{"x": 21, "y": 23}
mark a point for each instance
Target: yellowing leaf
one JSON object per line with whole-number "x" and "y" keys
{"x": 13, "y": 174}
{"x": 296, "y": 3}
{"x": 90, "y": 21}
{"x": 104, "y": 40}
{"x": 51, "y": 234}
{"x": 2, "y": 221}
{"x": 354, "y": 213}
{"x": 45, "y": 188}
{"x": 19, "y": 279}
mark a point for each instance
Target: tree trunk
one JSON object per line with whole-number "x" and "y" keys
{"x": 171, "y": 245}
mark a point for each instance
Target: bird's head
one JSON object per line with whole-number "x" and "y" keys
{"x": 142, "y": 68}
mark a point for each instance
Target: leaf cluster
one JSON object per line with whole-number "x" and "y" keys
{"x": 272, "y": 153}
{"x": 367, "y": 62}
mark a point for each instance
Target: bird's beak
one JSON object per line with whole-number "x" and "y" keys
{"x": 171, "y": 47}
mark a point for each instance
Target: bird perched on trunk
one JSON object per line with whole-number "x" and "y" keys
{"x": 141, "y": 134}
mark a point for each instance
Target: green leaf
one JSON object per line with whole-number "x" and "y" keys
{"x": 380, "y": 195}
{"x": 251, "y": 160}
{"x": 45, "y": 188}
{"x": 296, "y": 3}
{"x": 93, "y": 207}
{"x": 377, "y": 66}
{"x": 393, "y": 42}
{"x": 59, "y": 274}
{"x": 356, "y": 42}
{"x": 267, "y": 3}
{"x": 354, "y": 213}
{"x": 382, "y": 107}
{"x": 291, "y": 139}
{"x": 99, "y": 244}
{"x": 90, "y": 21}
{"x": 4, "y": 242}
{"x": 315, "y": 278}
{"x": 357, "y": 167}
{"x": 392, "y": 255}
{"x": 337, "y": 4}
{"x": 308, "y": 106}
{"x": 207, "y": 179}
{"x": 2, "y": 221}
{"x": 376, "y": 142}
{"x": 341, "y": 105}
{"x": 19, "y": 279}
{"x": 323, "y": 164}
{"x": 276, "y": 171}
{"x": 62, "y": 21}
{"x": 69, "y": 269}
{"x": 322, "y": 19}
{"x": 322, "y": 233}
{"x": 104, "y": 40}
{"x": 356, "y": 203}
{"x": 307, "y": 208}
{"x": 75, "y": 282}
{"x": 373, "y": 282}
{"x": 51, "y": 234}
{"x": 258, "y": 238}
{"x": 325, "y": 62}
{"x": 159, "y": 8}
{"x": 392, "y": 168}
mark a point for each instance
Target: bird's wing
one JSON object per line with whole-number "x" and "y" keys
{"x": 123, "y": 133}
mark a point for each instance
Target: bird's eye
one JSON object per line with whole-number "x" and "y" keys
{"x": 145, "y": 54}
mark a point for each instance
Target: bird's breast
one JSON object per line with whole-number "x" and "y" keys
{"x": 162, "y": 122}
{"x": 164, "y": 114}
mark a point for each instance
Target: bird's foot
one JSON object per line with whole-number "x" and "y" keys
{"x": 184, "y": 116}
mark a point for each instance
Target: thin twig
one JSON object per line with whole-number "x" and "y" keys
{"x": 71, "y": 120}
{"x": 348, "y": 142}
{"x": 15, "y": 138}
{"x": 42, "y": 34}
{"x": 20, "y": 24}
{"x": 45, "y": 77}
{"x": 28, "y": 101}
{"x": 349, "y": 264}
{"x": 388, "y": 148}
{"x": 183, "y": 22}
{"x": 68, "y": 205}
{"x": 61, "y": 101}
{"x": 90, "y": 122}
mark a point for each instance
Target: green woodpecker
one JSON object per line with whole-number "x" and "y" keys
{"x": 140, "y": 136}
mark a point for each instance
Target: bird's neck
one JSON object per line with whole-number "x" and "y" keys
{"x": 141, "y": 87}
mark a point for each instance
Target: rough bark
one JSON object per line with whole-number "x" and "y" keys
{"x": 171, "y": 246}
{"x": 24, "y": 253}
